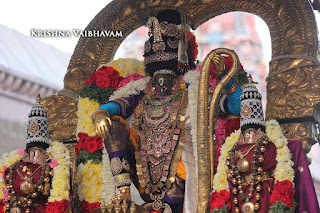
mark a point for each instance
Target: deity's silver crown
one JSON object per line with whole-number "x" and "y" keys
{"x": 37, "y": 129}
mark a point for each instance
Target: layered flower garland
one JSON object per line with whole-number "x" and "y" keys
{"x": 283, "y": 192}
{"x": 119, "y": 78}
{"x": 58, "y": 201}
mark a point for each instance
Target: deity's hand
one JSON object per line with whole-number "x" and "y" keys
{"x": 123, "y": 195}
{"x": 102, "y": 122}
{"x": 219, "y": 65}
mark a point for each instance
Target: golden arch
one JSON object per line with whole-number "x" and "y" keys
{"x": 293, "y": 88}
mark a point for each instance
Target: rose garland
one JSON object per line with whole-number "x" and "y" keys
{"x": 59, "y": 199}
{"x": 283, "y": 192}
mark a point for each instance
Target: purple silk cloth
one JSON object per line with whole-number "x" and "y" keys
{"x": 305, "y": 193}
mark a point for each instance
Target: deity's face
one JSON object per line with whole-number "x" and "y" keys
{"x": 250, "y": 136}
{"x": 164, "y": 83}
{"x": 37, "y": 155}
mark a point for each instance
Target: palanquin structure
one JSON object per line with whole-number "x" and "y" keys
{"x": 293, "y": 84}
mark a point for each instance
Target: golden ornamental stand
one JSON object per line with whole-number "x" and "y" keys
{"x": 205, "y": 167}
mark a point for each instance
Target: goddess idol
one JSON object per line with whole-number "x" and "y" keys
{"x": 257, "y": 172}
{"x": 27, "y": 182}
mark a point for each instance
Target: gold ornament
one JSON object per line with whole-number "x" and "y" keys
{"x": 243, "y": 165}
{"x": 256, "y": 206}
{"x": 247, "y": 207}
{"x": 15, "y": 210}
{"x": 26, "y": 186}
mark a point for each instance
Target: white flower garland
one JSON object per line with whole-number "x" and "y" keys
{"x": 283, "y": 170}
{"x": 61, "y": 178}
{"x": 108, "y": 186}
{"x": 132, "y": 88}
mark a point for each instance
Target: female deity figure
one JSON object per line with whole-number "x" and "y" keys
{"x": 162, "y": 162}
{"x": 28, "y": 181}
{"x": 258, "y": 178}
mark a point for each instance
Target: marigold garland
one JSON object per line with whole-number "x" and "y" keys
{"x": 86, "y": 108}
{"x": 284, "y": 173}
{"x": 89, "y": 181}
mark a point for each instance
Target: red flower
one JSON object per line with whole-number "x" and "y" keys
{"x": 274, "y": 197}
{"x": 93, "y": 206}
{"x": 284, "y": 192}
{"x": 233, "y": 124}
{"x": 82, "y": 137}
{"x": 91, "y": 80}
{"x": 1, "y": 206}
{"x": 102, "y": 78}
{"x": 84, "y": 207}
{"x": 290, "y": 193}
{"x": 93, "y": 144}
{"x": 99, "y": 142}
{"x": 193, "y": 45}
{"x": 287, "y": 199}
{"x": 57, "y": 206}
{"x": 228, "y": 63}
{"x": 220, "y": 199}
{"x": 283, "y": 186}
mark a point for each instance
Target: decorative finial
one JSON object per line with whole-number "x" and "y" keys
{"x": 38, "y": 99}
{"x": 250, "y": 79}
{"x": 158, "y": 43}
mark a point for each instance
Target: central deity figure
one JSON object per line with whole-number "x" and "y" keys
{"x": 162, "y": 162}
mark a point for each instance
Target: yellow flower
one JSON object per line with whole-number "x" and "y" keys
{"x": 127, "y": 66}
{"x": 57, "y": 185}
{"x": 95, "y": 166}
{"x": 83, "y": 102}
{"x": 183, "y": 86}
{"x": 97, "y": 172}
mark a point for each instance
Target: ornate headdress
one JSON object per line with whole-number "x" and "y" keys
{"x": 167, "y": 47}
{"x": 251, "y": 108}
{"x": 37, "y": 129}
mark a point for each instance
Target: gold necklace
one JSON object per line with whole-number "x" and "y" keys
{"x": 27, "y": 186}
{"x": 243, "y": 164}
